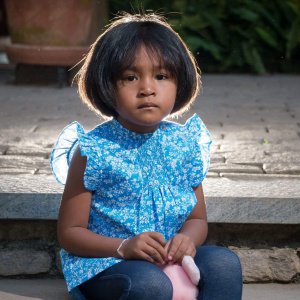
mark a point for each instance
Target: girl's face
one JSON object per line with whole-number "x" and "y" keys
{"x": 146, "y": 94}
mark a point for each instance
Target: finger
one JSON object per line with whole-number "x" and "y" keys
{"x": 153, "y": 255}
{"x": 158, "y": 237}
{"x": 147, "y": 245}
{"x": 157, "y": 258}
{"x": 174, "y": 245}
{"x": 191, "y": 251}
{"x": 183, "y": 244}
{"x": 162, "y": 252}
{"x": 158, "y": 254}
{"x": 157, "y": 241}
{"x": 167, "y": 246}
{"x": 145, "y": 252}
{"x": 181, "y": 250}
{"x": 147, "y": 257}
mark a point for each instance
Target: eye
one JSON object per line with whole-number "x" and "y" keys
{"x": 130, "y": 78}
{"x": 161, "y": 76}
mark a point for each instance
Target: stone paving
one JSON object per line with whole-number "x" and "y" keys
{"x": 254, "y": 121}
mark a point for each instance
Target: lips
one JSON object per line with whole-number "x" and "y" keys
{"x": 147, "y": 105}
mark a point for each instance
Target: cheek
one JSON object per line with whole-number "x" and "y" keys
{"x": 170, "y": 89}
{"x": 173, "y": 89}
{"x": 123, "y": 95}
{"x": 174, "y": 93}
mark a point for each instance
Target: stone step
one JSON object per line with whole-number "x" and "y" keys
{"x": 257, "y": 216}
{"x": 55, "y": 289}
{"x": 237, "y": 198}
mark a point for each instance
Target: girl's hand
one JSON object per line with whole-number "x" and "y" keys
{"x": 148, "y": 246}
{"x": 179, "y": 246}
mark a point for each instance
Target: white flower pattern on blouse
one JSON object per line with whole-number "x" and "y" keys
{"x": 139, "y": 182}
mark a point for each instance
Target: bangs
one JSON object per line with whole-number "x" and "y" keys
{"x": 157, "y": 45}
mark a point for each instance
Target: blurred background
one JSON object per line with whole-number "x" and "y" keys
{"x": 226, "y": 36}
{"x": 234, "y": 35}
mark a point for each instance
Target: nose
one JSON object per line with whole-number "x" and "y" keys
{"x": 147, "y": 88}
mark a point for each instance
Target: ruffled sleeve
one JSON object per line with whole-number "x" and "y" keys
{"x": 200, "y": 141}
{"x": 69, "y": 139}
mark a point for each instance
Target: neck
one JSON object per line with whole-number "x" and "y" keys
{"x": 142, "y": 129}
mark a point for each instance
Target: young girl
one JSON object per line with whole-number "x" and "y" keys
{"x": 133, "y": 197}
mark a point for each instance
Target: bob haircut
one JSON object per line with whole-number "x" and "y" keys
{"x": 115, "y": 50}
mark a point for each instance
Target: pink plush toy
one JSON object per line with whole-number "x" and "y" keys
{"x": 184, "y": 278}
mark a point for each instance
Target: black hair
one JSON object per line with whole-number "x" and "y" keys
{"x": 115, "y": 50}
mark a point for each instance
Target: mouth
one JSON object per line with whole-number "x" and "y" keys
{"x": 147, "y": 105}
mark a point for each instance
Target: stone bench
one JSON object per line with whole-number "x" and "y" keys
{"x": 258, "y": 216}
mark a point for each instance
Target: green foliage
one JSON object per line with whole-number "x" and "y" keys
{"x": 233, "y": 35}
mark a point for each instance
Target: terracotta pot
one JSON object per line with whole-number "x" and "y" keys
{"x": 53, "y": 32}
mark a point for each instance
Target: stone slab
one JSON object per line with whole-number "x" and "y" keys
{"x": 217, "y": 158}
{"x": 253, "y": 210}
{"x": 282, "y": 168}
{"x": 245, "y": 134}
{"x": 29, "y": 206}
{"x": 55, "y": 289}
{"x": 23, "y": 162}
{"x": 28, "y": 150}
{"x": 241, "y": 146}
{"x": 269, "y": 265}
{"x": 234, "y": 168}
{"x": 253, "y": 186}
{"x": 253, "y": 199}
{"x": 260, "y": 157}
{"x": 25, "y": 262}
{"x": 33, "y": 289}
{"x": 241, "y": 176}
{"x": 29, "y": 184}
{"x": 271, "y": 291}
{"x": 3, "y": 149}
{"x": 229, "y": 200}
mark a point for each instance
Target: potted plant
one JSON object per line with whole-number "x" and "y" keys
{"x": 53, "y": 32}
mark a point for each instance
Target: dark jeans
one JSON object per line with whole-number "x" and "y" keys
{"x": 221, "y": 279}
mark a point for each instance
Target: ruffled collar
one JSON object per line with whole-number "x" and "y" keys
{"x": 132, "y": 134}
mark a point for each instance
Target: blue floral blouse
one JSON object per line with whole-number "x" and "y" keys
{"x": 139, "y": 182}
